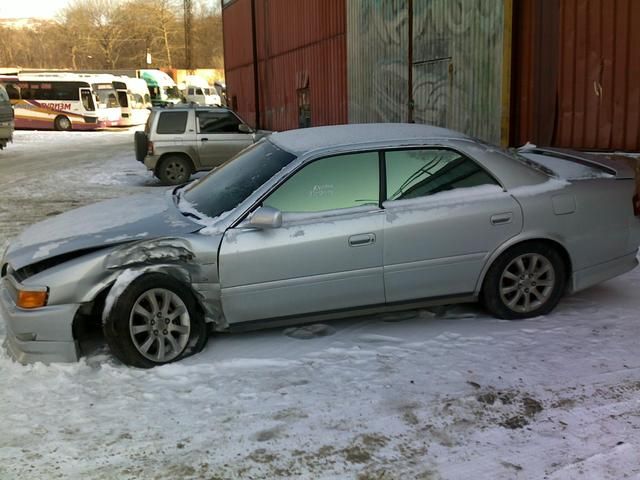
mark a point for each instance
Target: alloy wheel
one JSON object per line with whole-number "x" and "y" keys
{"x": 527, "y": 283}
{"x": 159, "y": 325}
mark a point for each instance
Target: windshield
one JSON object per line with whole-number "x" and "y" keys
{"x": 106, "y": 95}
{"x": 226, "y": 187}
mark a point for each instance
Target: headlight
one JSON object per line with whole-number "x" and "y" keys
{"x": 27, "y": 297}
{"x": 31, "y": 298}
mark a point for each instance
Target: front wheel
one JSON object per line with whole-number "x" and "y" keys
{"x": 62, "y": 123}
{"x": 526, "y": 281}
{"x": 155, "y": 321}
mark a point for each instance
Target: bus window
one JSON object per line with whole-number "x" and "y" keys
{"x": 87, "y": 100}
{"x": 123, "y": 99}
{"x": 13, "y": 91}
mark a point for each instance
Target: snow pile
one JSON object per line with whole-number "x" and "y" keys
{"x": 448, "y": 393}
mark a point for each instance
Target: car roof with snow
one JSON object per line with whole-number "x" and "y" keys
{"x": 308, "y": 139}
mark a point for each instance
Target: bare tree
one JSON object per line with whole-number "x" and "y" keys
{"x": 116, "y": 34}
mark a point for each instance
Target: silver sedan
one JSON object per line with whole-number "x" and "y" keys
{"x": 318, "y": 224}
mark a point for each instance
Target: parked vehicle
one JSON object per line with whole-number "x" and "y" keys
{"x": 6, "y": 118}
{"x": 184, "y": 139}
{"x": 317, "y": 224}
{"x": 162, "y": 88}
{"x": 134, "y": 100}
{"x": 59, "y": 101}
{"x": 202, "y": 95}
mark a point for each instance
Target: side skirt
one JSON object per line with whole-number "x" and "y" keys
{"x": 350, "y": 312}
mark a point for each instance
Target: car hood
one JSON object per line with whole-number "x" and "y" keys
{"x": 111, "y": 222}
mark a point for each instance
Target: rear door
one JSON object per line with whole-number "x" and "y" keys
{"x": 219, "y": 137}
{"x": 444, "y": 216}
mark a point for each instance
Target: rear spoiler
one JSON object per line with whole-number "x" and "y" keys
{"x": 617, "y": 165}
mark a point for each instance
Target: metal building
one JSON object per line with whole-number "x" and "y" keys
{"x": 285, "y": 61}
{"x": 554, "y": 72}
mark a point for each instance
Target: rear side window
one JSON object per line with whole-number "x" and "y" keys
{"x": 172, "y": 122}
{"x": 419, "y": 173}
{"x": 218, "y": 122}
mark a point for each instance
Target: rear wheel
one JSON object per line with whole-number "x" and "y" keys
{"x": 62, "y": 123}
{"x": 155, "y": 321}
{"x": 174, "y": 170}
{"x": 526, "y": 281}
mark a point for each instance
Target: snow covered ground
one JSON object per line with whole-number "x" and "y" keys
{"x": 447, "y": 393}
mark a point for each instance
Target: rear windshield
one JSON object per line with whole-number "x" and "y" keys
{"x": 226, "y": 187}
{"x": 172, "y": 122}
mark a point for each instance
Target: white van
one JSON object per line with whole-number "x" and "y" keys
{"x": 201, "y": 95}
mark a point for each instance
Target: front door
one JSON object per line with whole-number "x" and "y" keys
{"x": 327, "y": 255}
{"x": 444, "y": 216}
{"x": 219, "y": 137}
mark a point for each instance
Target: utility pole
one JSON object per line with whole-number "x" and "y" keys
{"x": 188, "y": 15}
{"x": 256, "y": 75}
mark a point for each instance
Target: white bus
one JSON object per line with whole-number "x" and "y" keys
{"x": 134, "y": 100}
{"x": 105, "y": 91}
{"x": 56, "y": 101}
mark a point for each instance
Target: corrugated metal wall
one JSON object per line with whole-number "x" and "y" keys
{"x": 599, "y": 75}
{"x": 455, "y": 55}
{"x": 300, "y": 45}
{"x": 377, "y": 56}
{"x": 577, "y": 74}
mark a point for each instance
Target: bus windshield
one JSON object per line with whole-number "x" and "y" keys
{"x": 106, "y": 95}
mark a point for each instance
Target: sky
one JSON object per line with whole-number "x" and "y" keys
{"x": 33, "y": 8}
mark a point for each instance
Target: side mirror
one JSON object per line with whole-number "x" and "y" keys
{"x": 243, "y": 128}
{"x": 266, "y": 217}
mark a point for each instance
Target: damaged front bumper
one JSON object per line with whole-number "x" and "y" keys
{"x": 39, "y": 335}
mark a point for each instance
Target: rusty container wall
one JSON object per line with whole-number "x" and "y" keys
{"x": 377, "y": 56}
{"x": 599, "y": 75}
{"x": 301, "y": 47}
{"x": 577, "y": 74}
{"x": 238, "y": 58}
{"x": 449, "y": 73}
{"x": 535, "y": 76}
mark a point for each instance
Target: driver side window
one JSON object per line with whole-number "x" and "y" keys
{"x": 331, "y": 183}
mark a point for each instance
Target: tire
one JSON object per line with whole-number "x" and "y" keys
{"x": 141, "y": 143}
{"x": 62, "y": 123}
{"x": 526, "y": 281}
{"x": 174, "y": 170}
{"x": 155, "y": 321}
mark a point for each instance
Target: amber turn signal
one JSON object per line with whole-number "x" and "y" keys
{"x": 28, "y": 299}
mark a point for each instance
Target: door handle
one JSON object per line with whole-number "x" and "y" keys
{"x": 361, "y": 240}
{"x": 501, "y": 218}
{"x": 204, "y": 139}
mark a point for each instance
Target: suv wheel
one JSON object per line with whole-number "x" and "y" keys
{"x": 174, "y": 170}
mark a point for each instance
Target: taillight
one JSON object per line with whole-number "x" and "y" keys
{"x": 150, "y": 148}
{"x": 636, "y": 205}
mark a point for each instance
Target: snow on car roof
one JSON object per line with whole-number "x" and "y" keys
{"x": 307, "y": 139}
